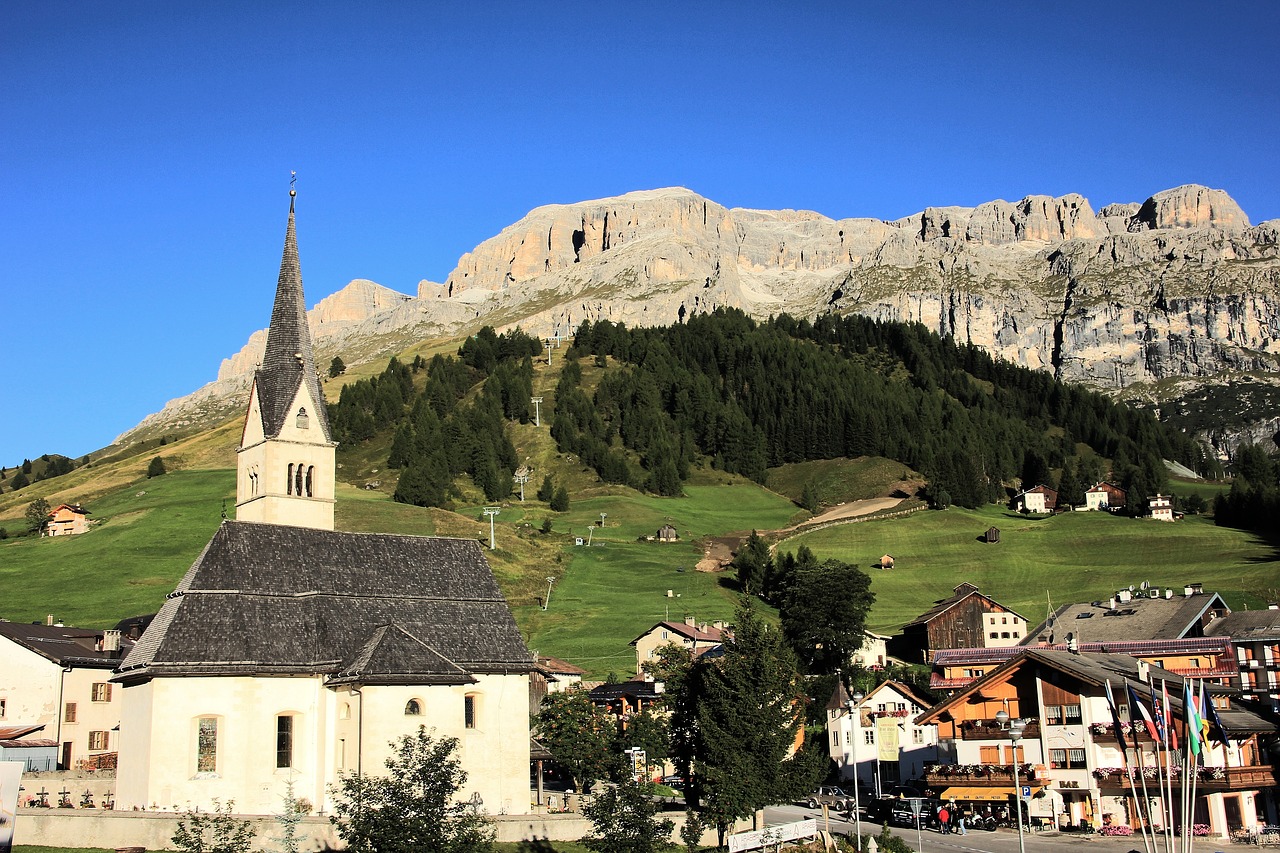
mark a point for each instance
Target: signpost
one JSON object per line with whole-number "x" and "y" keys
{"x": 757, "y": 838}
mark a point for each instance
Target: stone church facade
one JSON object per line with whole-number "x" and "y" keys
{"x": 293, "y": 652}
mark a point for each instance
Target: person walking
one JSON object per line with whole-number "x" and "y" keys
{"x": 957, "y": 814}
{"x": 944, "y": 818}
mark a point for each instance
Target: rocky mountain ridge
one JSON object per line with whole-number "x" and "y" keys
{"x": 1129, "y": 297}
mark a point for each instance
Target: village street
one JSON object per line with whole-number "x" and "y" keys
{"x": 980, "y": 841}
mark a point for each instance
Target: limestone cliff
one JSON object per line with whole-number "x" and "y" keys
{"x": 1132, "y": 295}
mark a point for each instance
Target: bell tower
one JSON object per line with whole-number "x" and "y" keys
{"x": 285, "y": 463}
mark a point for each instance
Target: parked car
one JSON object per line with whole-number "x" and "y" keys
{"x": 673, "y": 780}
{"x": 903, "y": 812}
{"x": 830, "y": 795}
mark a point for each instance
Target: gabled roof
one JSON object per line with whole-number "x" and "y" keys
{"x": 289, "y": 360}
{"x": 556, "y": 666}
{"x": 267, "y": 599}
{"x": 963, "y": 591}
{"x": 1095, "y": 670}
{"x": 1140, "y": 618}
{"x": 65, "y": 646}
{"x": 394, "y": 656}
{"x": 689, "y": 632}
{"x": 1247, "y": 626}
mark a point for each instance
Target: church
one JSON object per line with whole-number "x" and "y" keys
{"x": 291, "y": 652}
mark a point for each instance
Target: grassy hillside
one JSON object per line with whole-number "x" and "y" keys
{"x": 837, "y": 481}
{"x": 1072, "y": 557}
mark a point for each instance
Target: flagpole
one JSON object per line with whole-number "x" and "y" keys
{"x": 1128, "y": 768}
{"x": 1167, "y": 782}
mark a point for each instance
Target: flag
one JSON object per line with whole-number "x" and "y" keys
{"x": 1115, "y": 724}
{"x": 1213, "y": 721}
{"x": 1136, "y": 708}
{"x": 1167, "y": 713}
{"x": 1192, "y": 718}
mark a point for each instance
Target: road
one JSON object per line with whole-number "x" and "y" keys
{"x": 981, "y": 841}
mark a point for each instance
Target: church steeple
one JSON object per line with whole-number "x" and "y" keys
{"x": 286, "y": 456}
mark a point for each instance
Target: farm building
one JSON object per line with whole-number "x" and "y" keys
{"x": 968, "y": 619}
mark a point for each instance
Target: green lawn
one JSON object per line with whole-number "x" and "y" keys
{"x": 1063, "y": 559}
{"x": 147, "y": 537}
{"x": 616, "y": 590}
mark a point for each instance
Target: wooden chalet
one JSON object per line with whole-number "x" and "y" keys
{"x": 968, "y": 619}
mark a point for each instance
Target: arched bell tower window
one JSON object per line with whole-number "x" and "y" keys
{"x": 297, "y": 479}
{"x": 303, "y": 421}
{"x": 311, "y": 474}
{"x": 288, "y": 484}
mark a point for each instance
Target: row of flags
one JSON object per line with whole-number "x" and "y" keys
{"x": 1202, "y": 720}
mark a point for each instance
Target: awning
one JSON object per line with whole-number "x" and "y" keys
{"x": 993, "y": 793}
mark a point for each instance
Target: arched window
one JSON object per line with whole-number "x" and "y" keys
{"x": 288, "y": 484}
{"x": 297, "y": 481}
{"x": 413, "y": 708}
{"x": 303, "y": 420}
{"x": 311, "y": 473}
{"x": 284, "y": 741}
{"x": 206, "y": 744}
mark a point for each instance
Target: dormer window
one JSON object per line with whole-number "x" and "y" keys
{"x": 304, "y": 420}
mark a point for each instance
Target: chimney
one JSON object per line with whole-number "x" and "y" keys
{"x": 1197, "y": 588}
{"x": 1123, "y": 596}
{"x": 48, "y": 620}
{"x": 111, "y": 641}
{"x": 1111, "y": 603}
{"x": 691, "y": 622}
{"x": 1144, "y": 672}
{"x": 1187, "y": 592}
{"x": 1273, "y": 606}
{"x": 1072, "y": 645}
{"x": 1168, "y": 593}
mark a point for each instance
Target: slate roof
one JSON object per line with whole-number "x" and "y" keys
{"x": 282, "y": 372}
{"x": 65, "y": 646}
{"x": 689, "y": 632}
{"x": 1247, "y": 626}
{"x": 372, "y": 608}
{"x": 1138, "y": 619}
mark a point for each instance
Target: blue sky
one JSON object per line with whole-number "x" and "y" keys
{"x": 145, "y": 147}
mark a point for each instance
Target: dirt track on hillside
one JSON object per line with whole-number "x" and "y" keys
{"x": 720, "y": 549}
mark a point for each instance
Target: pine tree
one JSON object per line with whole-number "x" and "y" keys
{"x": 752, "y": 564}
{"x": 155, "y": 468}
{"x": 547, "y": 490}
{"x": 336, "y": 367}
{"x": 560, "y": 500}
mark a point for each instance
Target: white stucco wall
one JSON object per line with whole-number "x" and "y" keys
{"x": 333, "y": 731}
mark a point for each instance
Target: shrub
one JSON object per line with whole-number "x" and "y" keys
{"x": 214, "y": 831}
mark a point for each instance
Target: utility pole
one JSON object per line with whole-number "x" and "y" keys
{"x": 546, "y": 602}
{"x": 537, "y": 410}
{"x": 521, "y": 476}
{"x": 548, "y": 352}
{"x": 491, "y": 511}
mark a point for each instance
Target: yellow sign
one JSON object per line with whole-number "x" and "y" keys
{"x": 887, "y": 738}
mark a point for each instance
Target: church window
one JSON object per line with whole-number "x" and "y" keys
{"x": 344, "y": 713}
{"x": 311, "y": 473}
{"x": 469, "y": 710}
{"x": 289, "y": 482}
{"x": 284, "y": 740}
{"x": 413, "y": 708}
{"x": 303, "y": 421}
{"x": 207, "y": 745}
{"x": 297, "y": 482}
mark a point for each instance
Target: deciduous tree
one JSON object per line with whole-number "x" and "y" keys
{"x": 412, "y": 808}
{"x": 578, "y": 734}
{"x": 37, "y": 515}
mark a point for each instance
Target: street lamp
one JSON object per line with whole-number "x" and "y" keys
{"x": 1015, "y": 728}
{"x": 547, "y": 601}
{"x": 854, "y": 701}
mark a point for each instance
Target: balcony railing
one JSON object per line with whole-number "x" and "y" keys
{"x": 981, "y": 774}
{"x": 981, "y": 730}
{"x": 1210, "y": 779}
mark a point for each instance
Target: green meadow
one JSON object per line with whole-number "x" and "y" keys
{"x": 605, "y": 595}
{"x": 1061, "y": 559}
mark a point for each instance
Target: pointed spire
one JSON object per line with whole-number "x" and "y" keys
{"x": 289, "y": 360}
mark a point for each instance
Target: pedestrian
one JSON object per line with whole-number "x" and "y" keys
{"x": 944, "y": 817}
{"x": 959, "y": 816}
